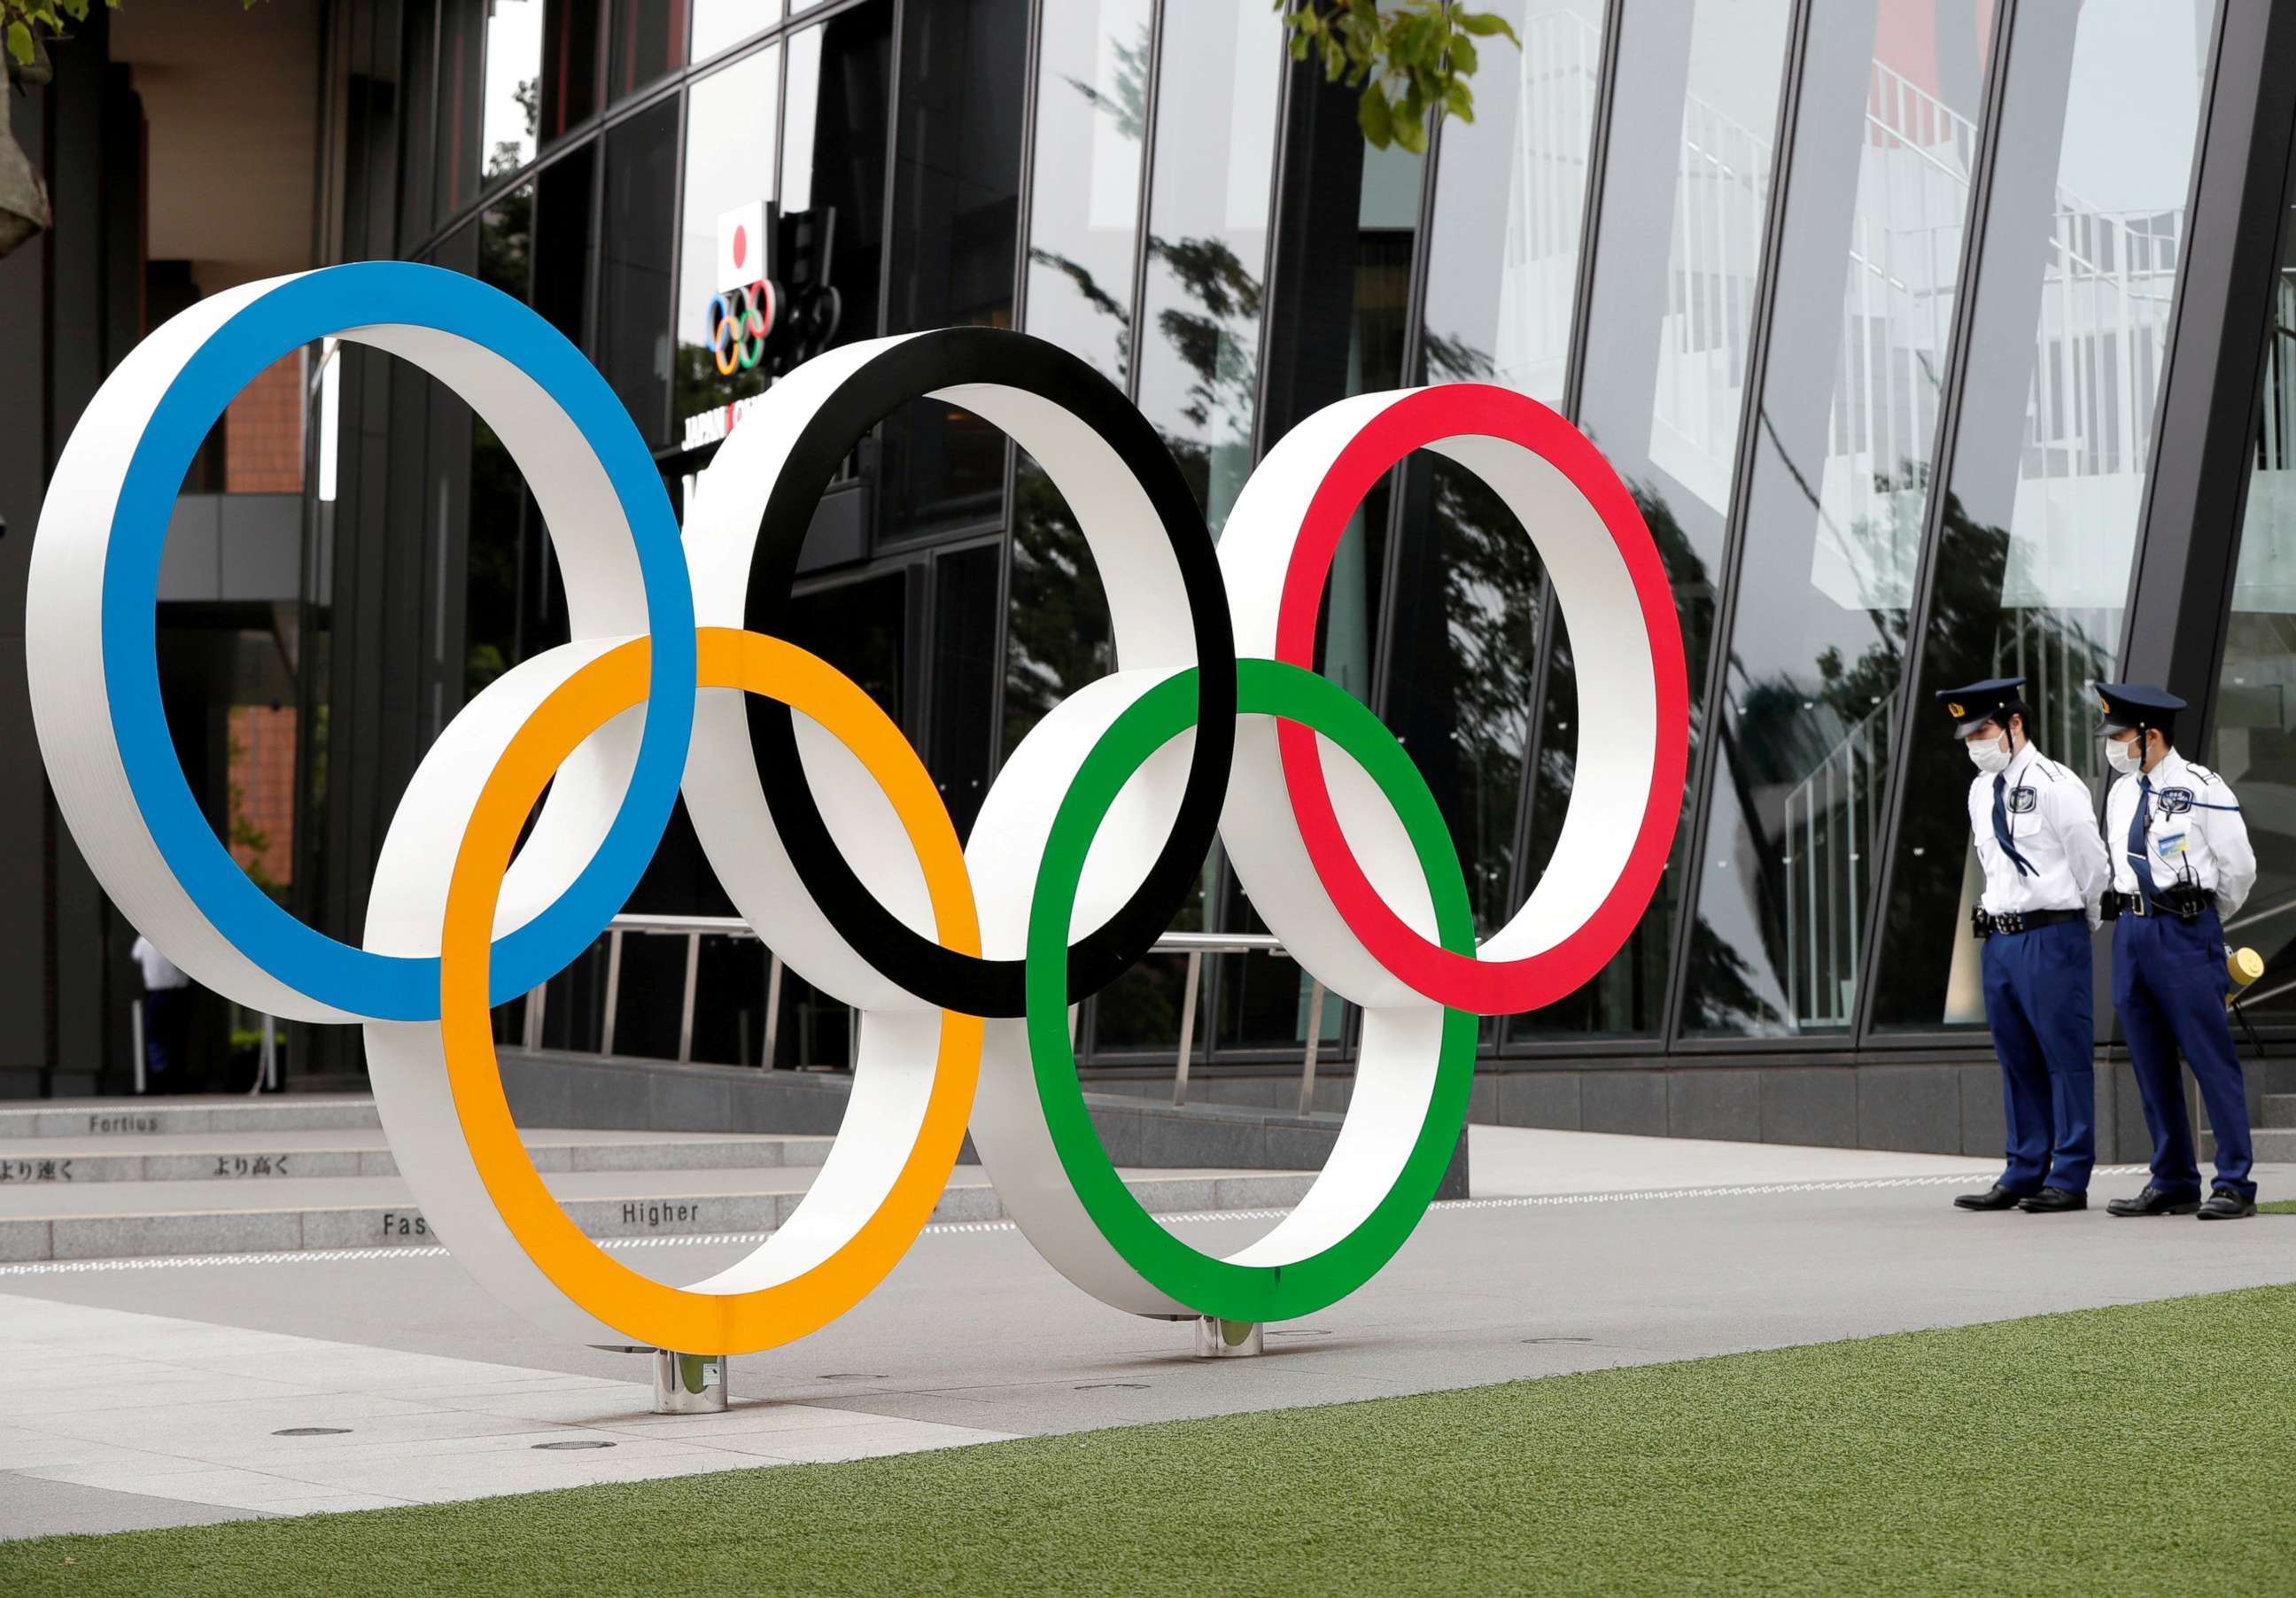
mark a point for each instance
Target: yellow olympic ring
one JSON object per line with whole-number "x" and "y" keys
{"x": 644, "y": 1309}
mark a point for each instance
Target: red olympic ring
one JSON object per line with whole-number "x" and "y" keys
{"x": 1428, "y": 416}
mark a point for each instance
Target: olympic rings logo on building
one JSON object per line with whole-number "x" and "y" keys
{"x": 821, "y": 822}
{"x": 741, "y": 322}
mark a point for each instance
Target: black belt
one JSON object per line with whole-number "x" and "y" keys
{"x": 2185, "y": 904}
{"x": 1983, "y": 923}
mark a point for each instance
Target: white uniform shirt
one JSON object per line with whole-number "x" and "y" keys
{"x": 2196, "y": 836}
{"x": 2054, "y": 825}
{"x": 160, "y": 972}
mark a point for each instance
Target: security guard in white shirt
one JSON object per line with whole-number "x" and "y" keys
{"x": 2181, "y": 862}
{"x": 2044, "y": 873}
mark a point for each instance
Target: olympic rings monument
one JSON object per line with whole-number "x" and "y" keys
{"x": 823, "y": 825}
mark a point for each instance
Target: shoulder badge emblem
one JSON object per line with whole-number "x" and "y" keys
{"x": 2023, "y": 801}
{"x": 2174, "y": 801}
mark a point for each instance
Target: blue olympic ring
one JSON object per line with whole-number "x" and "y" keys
{"x": 315, "y": 305}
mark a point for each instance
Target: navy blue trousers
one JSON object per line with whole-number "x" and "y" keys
{"x": 2170, "y": 983}
{"x": 2039, "y": 1004}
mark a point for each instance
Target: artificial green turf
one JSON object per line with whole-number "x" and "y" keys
{"x": 2136, "y": 1449}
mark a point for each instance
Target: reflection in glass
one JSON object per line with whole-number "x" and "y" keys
{"x": 569, "y": 65}
{"x": 834, "y": 150}
{"x": 2084, "y": 239}
{"x": 424, "y": 76}
{"x": 2255, "y": 742}
{"x": 719, "y": 24}
{"x": 960, "y": 679}
{"x": 1208, "y": 239}
{"x": 730, "y": 124}
{"x": 956, "y": 198}
{"x": 495, "y": 611}
{"x": 510, "y": 119}
{"x": 649, "y": 42}
{"x": 861, "y": 629}
{"x": 1685, "y": 196}
{"x": 1875, "y": 206}
{"x": 635, "y": 258}
{"x": 1465, "y": 639}
{"x": 1259, "y": 1003}
{"x": 561, "y": 236}
{"x": 1091, "y": 112}
{"x": 1510, "y": 200}
{"x": 1503, "y": 267}
{"x": 1092, "y": 108}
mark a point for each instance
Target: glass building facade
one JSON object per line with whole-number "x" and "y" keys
{"x": 1921, "y": 330}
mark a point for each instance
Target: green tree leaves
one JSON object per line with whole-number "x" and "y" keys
{"x": 1411, "y": 58}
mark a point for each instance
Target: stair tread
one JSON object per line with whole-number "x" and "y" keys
{"x": 49, "y": 1201}
{"x": 349, "y": 1140}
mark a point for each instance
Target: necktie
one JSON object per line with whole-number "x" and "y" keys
{"x": 2001, "y": 828}
{"x": 2139, "y": 854}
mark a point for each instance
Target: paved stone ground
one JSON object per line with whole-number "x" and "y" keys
{"x": 149, "y": 1393}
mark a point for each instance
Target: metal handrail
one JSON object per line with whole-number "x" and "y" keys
{"x": 693, "y": 929}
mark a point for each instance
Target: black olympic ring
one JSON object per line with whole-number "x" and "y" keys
{"x": 919, "y": 365}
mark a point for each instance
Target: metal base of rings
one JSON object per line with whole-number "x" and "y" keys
{"x": 1229, "y": 1339}
{"x": 688, "y": 1384}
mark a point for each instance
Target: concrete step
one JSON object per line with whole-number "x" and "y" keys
{"x": 2279, "y": 1109}
{"x": 2273, "y": 1145}
{"x": 127, "y": 1118}
{"x": 360, "y": 1151}
{"x": 156, "y": 1218}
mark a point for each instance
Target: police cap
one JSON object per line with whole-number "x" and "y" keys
{"x": 1992, "y": 700}
{"x": 2125, "y": 706}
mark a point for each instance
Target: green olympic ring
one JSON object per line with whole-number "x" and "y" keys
{"x": 1206, "y": 1283}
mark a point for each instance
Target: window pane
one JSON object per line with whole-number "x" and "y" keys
{"x": 2255, "y": 742}
{"x": 497, "y": 623}
{"x": 720, "y": 24}
{"x": 834, "y": 151}
{"x": 1509, "y": 197}
{"x": 957, "y": 199}
{"x": 1875, "y": 205}
{"x": 1092, "y": 88}
{"x": 1510, "y": 187}
{"x": 730, "y": 123}
{"x": 423, "y": 72}
{"x": 649, "y": 42}
{"x": 563, "y": 243}
{"x": 1686, "y": 199}
{"x": 509, "y": 122}
{"x": 1208, "y": 239}
{"x": 640, "y": 234}
{"x": 962, "y": 679}
{"x": 1263, "y": 1003}
{"x": 860, "y": 629}
{"x": 2081, "y": 252}
{"x": 569, "y": 65}
{"x": 1091, "y": 107}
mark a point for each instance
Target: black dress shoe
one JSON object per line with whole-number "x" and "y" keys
{"x": 1996, "y": 1197}
{"x": 2054, "y": 1200}
{"x": 2152, "y": 1201}
{"x": 2225, "y": 1205}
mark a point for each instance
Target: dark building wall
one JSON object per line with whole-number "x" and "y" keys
{"x": 24, "y": 812}
{"x": 73, "y": 308}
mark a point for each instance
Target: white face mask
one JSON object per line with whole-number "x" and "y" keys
{"x": 2123, "y": 756}
{"x": 1991, "y": 757}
